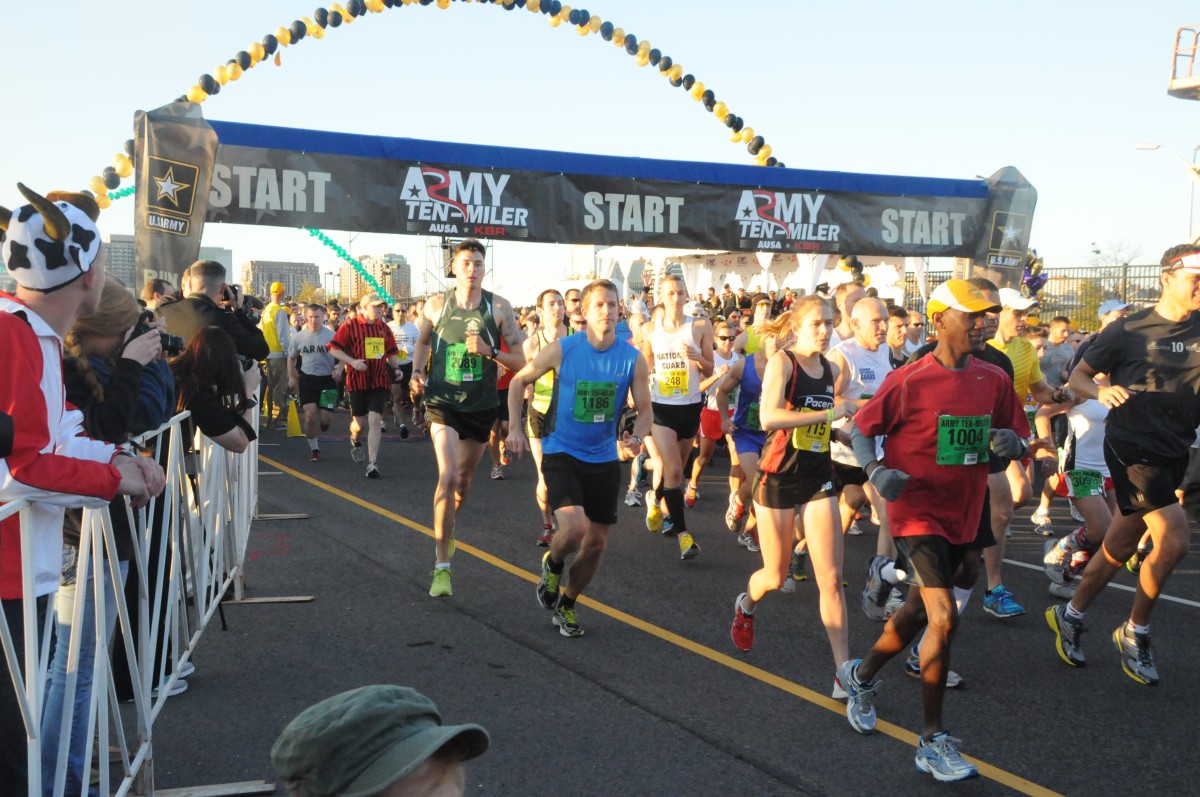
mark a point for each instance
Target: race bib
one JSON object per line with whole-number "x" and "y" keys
{"x": 963, "y": 440}
{"x": 402, "y": 356}
{"x": 461, "y": 365}
{"x": 595, "y": 402}
{"x": 1085, "y": 483}
{"x": 752, "y": 421}
{"x": 328, "y": 399}
{"x": 373, "y": 348}
{"x": 673, "y": 382}
{"x": 813, "y": 438}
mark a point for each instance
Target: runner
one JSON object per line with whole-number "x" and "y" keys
{"x": 277, "y": 330}
{"x": 797, "y": 409}
{"x": 845, "y": 296}
{"x": 594, "y": 372}
{"x": 711, "y": 422}
{"x": 500, "y": 428}
{"x": 941, "y": 416}
{"x": 311, "y": 374}
{"x": 748, "y": 340}
{"x": 681, "y": 351}
{"x": 1012, "y": 489}
{"x": 462, "y": 328}
{"x": 365, "y": 345}
{"x": 1152, "y": 359}
{"x": 551, "y": 309}
{"x": 404, "y": 329}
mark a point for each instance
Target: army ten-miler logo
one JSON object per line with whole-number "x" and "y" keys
{"x": 171, "y": 195}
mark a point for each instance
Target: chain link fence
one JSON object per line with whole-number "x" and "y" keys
{"x": 1075, "y": 292}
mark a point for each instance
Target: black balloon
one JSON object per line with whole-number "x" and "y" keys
{"x": 738, "y": 124}
{"x": 676, "y": 83}
{"x": 86, "y": 192}
{"x": 755, "y": 144}
{"x": 243, "y": 59}
{"x": 208, "y": 83}
{"x": 664, "y": 64}
{"x": 356, "y": 8}
{"x": 270, "y": 44}
{"x": 631, "y": 41}
{"x": 606, "y": 29}
{"x": 778, "y": 164}
{"x": 772, "y": 161}
{"x": 573, "y": 17}
{"x": 555, "y": 8}
{"x": 584, "y": 17}
{"x": 130, "y": 144}
{"x": 689, "y": 80}
{"x": 321, "y": 17}
{"x": 298, "y": 29}
{"x": 388, "y": 3}
{"x": 708, "y": 103}
{"x": 708, "y": 96}
{"x": 335, "y": 19}
{"x": 111, "y": 178}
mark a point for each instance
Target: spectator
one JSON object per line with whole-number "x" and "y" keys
{"x": 114, "y": 375}
{"x": 213, "y": 303}
{"x": 375, "y": 740}
{"x": 744, "y": 302}
{"x": 897, "y": 335}
{"x": 916, "y": 332}
{"x": 277, "y": 332}
{"x": 218, "y": 387}
{"x": 49, "y": 451}
{"x": 156, "y": 291}
{"x": 729, "y": 303}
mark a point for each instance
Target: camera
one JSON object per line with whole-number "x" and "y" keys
{"x": 171, "y": 344}
{"x": 246, "y": 362}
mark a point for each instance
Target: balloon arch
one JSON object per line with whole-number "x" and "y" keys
{"x": 106, "y": 185}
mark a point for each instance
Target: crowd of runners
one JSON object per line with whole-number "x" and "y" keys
{"x": 833, "y": 410}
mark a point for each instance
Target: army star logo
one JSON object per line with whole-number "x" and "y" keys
{"x": 167, "y": 187}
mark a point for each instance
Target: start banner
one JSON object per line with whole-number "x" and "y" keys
{"x": 304, "y": 178}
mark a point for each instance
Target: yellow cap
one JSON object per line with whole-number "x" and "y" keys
{"x": 277, "y": 288}
{"x": 959, "y": 295}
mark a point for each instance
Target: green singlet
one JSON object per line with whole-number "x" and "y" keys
{"x": 464, "y": 381}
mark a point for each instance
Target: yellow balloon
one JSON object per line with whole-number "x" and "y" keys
{"x": 720, "y": 110}
{"x": 565, "y": 14}
{"x": 675, "y": 72}
{"x": 196, "y": 94}
{"x": 375, "y": 6}
{"x": 554, "y": 21}
{"x": 643, "y": 47}
{"x": 735, "y": 137}
{"x": 96, "y": 184}
{"x": 508, "y": 2}
{"x": 534, "y": 5}
{"x": 102, "y": 200}
{"x": 221, "y": 75}
{"x": 583, "y": 30}
{"x": 443, "y": 4}
{"x": 339, "y": 8}
{"x": 257, "y": 52}
{"x": 697, "y": 89}
{"x": 316, "y": 31}
{"x": 759, "y": 160}
{"x": 122, "y": 165}
{"x": 594, "y": 23}
{"x": 747, "y": 134}
{"x": 346, "y": 18}
{"x": 642, "y": 60}
{"x": 866, "y": 280}
{"x": 284, "y": 36}
{"x": 765, "y": 152}
{"x": 619, "y": 37}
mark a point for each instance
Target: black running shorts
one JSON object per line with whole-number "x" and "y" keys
{"x": 595, "y": 486}
{"x": 683, "y": 419}
{"x": 1142, "y": 483}
{"x": 469, "y": 425}
{"x": 929, "y": 560}
{"x": 364, "y": 401}
{"x": 785, "y": 491}
{"x": 847, "y": 475}
{"x": 311, "y": 387}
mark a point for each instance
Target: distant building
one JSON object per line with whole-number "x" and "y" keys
{"x": 218, "y": 253}
{"x": 257, "y": 276}
{"x": 119, "y": 261}
{"x": 392, "y": 271}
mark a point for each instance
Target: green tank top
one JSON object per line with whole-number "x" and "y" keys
{"x": 464, "y": 381}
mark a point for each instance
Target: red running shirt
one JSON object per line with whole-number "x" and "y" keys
{"x": 914, "y": 404}
{"x": 372, "y": 341}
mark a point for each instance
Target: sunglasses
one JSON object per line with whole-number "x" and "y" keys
{"x": 726, "y": 337}
{"x": 918, "y": 326}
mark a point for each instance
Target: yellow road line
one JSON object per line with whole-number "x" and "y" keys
{"x": 1003, "y": 777}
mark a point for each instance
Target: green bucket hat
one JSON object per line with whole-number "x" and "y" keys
{"x": 357, "y": 743}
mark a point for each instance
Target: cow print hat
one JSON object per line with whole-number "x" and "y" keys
{"x": 50, "y": 242}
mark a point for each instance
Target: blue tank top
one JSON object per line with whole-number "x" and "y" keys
{"x": 746, "y": 415}
{"x": 590, "y": 387}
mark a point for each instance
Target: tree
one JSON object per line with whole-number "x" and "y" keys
{"x": 1120, "y": 253}
{"x": 307, "y": 292}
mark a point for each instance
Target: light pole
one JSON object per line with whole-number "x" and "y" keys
{"x": 1193, "y": 172}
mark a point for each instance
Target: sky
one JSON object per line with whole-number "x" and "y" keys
{"x": 1062, "y": 91}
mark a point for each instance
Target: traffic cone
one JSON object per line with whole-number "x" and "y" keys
{"x": 293, "y": 426}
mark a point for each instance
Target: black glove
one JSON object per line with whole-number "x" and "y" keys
{"x": 1006, "y": 443}
{"x": 889, "y": 482}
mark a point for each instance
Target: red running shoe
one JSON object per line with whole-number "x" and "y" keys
{"x": 743, "y": 627}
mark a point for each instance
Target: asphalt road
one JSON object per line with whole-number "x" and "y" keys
{"x": 654, "y": 699}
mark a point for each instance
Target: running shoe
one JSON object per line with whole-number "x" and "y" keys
{"x": 735, "y": 515}
{"x": 565, "y": 619}
{"x": 668, "y": 526}
{"x": 505, "y": 458}
{"x": 633, "y": 497}
{"x": 838, "y": 693}
{"x": 1041, "y": 524}
{"x": 654, "y": 517}
{"x": 314, "y": 455}
{"x": 940, "y": 757}
{"x": 877, "y": 591}
{"x": 356, "y": 452}
{"x": 688, "y": 549}
{"x": 895, "y": 601}
{"x": 789, "y": 584}
{"x": 441, "y": 583}
{"x": 372, "y": 471}
{"x": 912, "y": 668}
{"x": 547, "y": 588}
{"x": 743, "y": 626}
{"x": 690, "y": 495}
{"x": 999, "y": 602}
{"x": 796, "y": 568}
{"x": 1137, "y": 658}
{"x": 642, "y": 473}
{"x": 855, "y": 530}
{"x": 1134, "y": 565}
{"x": 403, "y": 431}
{"x": 860, "y": 697}
{"x": 1066, "y": 590}
{"x": 1075, "y": 513}
{"x": 498, "y": 472}
{"x": 1069, "y": 633}
{"x": 543, "y": 541}
{"x": 747, "y": 541}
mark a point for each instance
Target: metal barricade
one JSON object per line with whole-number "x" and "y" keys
{"x": 197, "y": 532}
